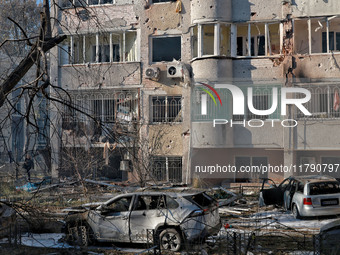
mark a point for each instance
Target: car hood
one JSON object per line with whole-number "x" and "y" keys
{"x": 83, "y": 207}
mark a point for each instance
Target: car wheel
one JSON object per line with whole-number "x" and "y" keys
{"x": 170, "y": 240}
{"x": 296, "y": 213}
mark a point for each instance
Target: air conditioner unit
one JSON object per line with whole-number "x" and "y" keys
{"x": 124, "y": 165}
{"x": 152, "y": 73}
{"x": 174, "y": 70}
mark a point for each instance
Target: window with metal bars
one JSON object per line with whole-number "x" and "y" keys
{"x": 83, "y": 3}
{"x": 324, "y": 102}
{"x": 166, "y": 109}
{"x": 167, "y": 169}
{"x": 260, "y": 102}
{"x": 104, "y": 107}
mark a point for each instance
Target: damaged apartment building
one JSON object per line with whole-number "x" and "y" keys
{"x": 149, "y": 72}
{"x": 125, "y": 64}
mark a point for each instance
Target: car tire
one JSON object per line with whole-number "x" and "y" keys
{"x": 296, "y": 212}
{"x": 83, "y": 236}
{"x": 170, "y": 240}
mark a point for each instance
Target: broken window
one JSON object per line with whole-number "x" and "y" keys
{"x": 224, "y": 40}
{"x": 167, "y": 169}
{"x": 65, "y": 52}
{"x": 323, "y": 188}
{"x": 317, "y": 35}
{"x": 324, "y": 103}
{"x": 107, "y": 108}
{"x": 150, "y": 203}
{"x": 120, "y": 205}
{"x": 166, "y": 48}
{"x": 257, "y": 39}
{"x": 202, "y": 200}
{"x": 211, "y": 39}
{"x": 99, "y": 48}
{"x": 194, "y": 41}
{"x": 166, "y": 109}
{"x": 208, "y": 39}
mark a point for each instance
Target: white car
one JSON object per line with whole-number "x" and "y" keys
{"x": 313, "y": 195}
{"x": 173, "y": 218}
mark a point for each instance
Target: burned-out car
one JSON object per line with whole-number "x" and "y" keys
{"x": 171, "y": 218}
{"x": 314, "y": 195}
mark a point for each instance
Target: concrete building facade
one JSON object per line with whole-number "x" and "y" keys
{"x": 149, "y": 62}
{"x": 126, "y": 63}
{"x": 271, "y": 45}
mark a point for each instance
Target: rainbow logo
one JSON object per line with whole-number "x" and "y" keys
{"x": 209, "y": 93}
{"x": 204, "y": 98}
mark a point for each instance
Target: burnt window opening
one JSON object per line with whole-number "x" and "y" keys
{"x": 166, "y": 48}
{"x": 166, "y": 169}
{"x": 202, "y": 200}
{"x": 117, "y": 206}
{"x": 150, "y": 202}
{"x": 166, "y": 109}
{"x": 323, "y": 188}
{"x": 300, "y": 187}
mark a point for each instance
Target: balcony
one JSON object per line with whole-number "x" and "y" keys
{"x": 211, "y": 10}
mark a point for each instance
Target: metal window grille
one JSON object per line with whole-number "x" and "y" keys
{"x": 322, "y": 104}
{"x": 167, "y": 169}
{"x": 166, "y": 109}
{"x": 106, "y": 107}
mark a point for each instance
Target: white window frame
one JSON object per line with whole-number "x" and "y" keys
{"x": 122, "y": 48}
{"x": 247, "y": 40}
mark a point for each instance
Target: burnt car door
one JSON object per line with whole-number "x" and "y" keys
{"x": 149, "y": 211}
{"x": 272, "y": 195}
{"x": 112, "y": 220}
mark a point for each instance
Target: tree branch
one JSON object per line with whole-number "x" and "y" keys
{"x": 20, "y": 71}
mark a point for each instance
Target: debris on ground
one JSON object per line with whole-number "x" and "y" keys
{"x": 31, "y": 186}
